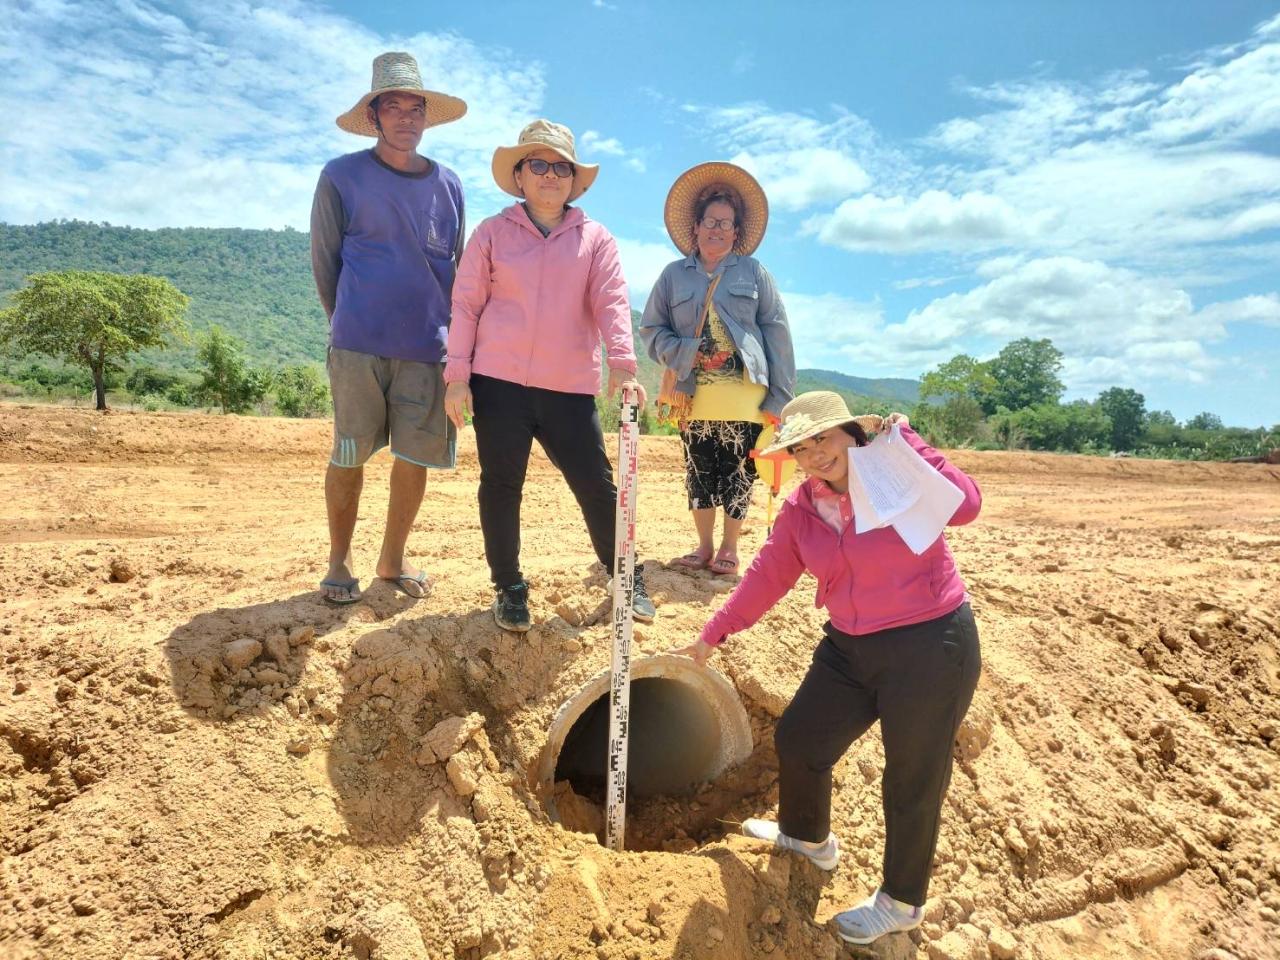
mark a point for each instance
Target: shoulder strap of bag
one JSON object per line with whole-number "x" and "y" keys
{"x": 706, "y": 305}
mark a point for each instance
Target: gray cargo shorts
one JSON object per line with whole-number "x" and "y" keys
{"x": 380, "y": 400}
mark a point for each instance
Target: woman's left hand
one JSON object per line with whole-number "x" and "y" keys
{"x": 893, "y": 418}
{"x": 621, "y": 380}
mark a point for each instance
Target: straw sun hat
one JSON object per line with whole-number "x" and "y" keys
{"x": 811, "y": 413}
{"x": 542, "y": 135}
{"x": 699, "y": 181}
{"x": 398, "y": 73}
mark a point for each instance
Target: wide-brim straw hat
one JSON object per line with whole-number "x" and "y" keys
{"x": 811, "y": 413}
{"x": 398, "y": 73}
{"x": 697, "y": 182}
{"x": 542, "y": 135}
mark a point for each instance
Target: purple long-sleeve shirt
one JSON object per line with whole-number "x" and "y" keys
{"x": 385, "y": 245}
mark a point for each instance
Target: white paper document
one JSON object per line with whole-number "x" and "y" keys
{"x": 892, "y": 485}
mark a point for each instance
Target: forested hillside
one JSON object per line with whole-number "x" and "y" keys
{"x": 256, "y": 284}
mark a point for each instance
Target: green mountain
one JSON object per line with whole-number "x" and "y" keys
{"x": 905, "y": 393}
{"x": 257, "y": 285}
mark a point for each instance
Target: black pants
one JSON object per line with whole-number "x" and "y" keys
{"x": 917, "y": 681}
{"x": 507, "y": 417}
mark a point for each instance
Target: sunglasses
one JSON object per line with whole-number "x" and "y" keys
{"x": 711, "y": 223}
{"x": 562, "y": 168}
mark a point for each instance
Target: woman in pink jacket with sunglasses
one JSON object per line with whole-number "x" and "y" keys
{"x": 539, "y": 288}
{"x": 900, "y": 647}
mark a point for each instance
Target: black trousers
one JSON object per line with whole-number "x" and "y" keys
{"x": 507, "y": 417}
{"x": 918, "y": 682}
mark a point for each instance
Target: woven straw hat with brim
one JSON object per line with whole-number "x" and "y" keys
{"x": 542, "y": 135}
{"x": 810, "y": 414}
{"x": 703, "y": 180}
{"x": 398, "y": 73}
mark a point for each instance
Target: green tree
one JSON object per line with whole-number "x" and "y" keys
{"x": 301, "y": 391}
{"x": 1025, "y": 374}
{"x": 1074, "y": 427}
{"x": 226, "y": 379}
{"x": 94, "y": 319}
{"x": 1127, "y": 409}
{"x": 1159, "y": 418}
{"x": 958, "y": 388}
{"x": 961, "y": 376}
{"x": 1205, "y": 421}
{"x": 146, "y": 380}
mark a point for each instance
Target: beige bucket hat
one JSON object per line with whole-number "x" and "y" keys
{"x": 697, "y": 182}
{"x": 398, "y": 73}
{"x": 811, "y": 413}
{"x": 542, "y": 135}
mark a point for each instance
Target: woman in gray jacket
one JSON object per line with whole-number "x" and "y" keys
{"x": 715, "y": 319}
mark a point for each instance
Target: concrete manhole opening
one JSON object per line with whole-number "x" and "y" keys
{"x": 687, "y": 728}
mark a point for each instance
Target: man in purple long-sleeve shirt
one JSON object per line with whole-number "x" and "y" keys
{"x": 386, "y": 237}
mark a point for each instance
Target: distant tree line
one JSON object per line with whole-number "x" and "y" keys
{"x": 1013, "y": 401}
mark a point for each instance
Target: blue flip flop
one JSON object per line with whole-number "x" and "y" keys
{"x": 420, "y": 579}
{"x": 348, "y": 585}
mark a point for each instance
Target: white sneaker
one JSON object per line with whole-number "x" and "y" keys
{"x": 874, "y": 917}
{"x": 824, "y": 856}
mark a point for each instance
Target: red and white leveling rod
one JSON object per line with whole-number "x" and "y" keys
{"x": 624, "y": 571}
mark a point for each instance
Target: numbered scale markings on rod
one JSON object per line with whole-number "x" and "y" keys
{"x": 624, "y": 568}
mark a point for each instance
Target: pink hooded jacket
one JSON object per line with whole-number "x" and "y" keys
{"x": 868, "y": 582}
{"x": 532, "y": 309}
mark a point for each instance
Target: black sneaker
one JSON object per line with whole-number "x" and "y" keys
{"x": 642, "y": 607}
{"x": 511, "y": 607}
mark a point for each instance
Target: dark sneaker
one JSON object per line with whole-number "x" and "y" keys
{"x": 642, "y": 608}
{"x": 511, "y": 607}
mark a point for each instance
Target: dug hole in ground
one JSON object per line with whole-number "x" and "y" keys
{"x": 198, "y": 758}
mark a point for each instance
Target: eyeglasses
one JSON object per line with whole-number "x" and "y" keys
{"x": 711, "y": 223}
{"x": 562, "y": 168}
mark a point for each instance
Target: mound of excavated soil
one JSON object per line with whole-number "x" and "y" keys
{"x": 198, "y": 758}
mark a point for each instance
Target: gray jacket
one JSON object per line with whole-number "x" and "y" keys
{"x": 748, "y": 304}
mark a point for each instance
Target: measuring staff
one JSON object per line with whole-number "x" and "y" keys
{"x": 624, "y": 567}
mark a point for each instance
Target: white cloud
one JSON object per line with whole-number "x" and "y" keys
{"x": 595, "y": 142}
{"x": 801, "y": 161}
{"x": 213, "y": 115}
{"x": 935, "y": 220}
{"x": 1156, "y": 175}
{"x": 642, "y": 261}
{"x": 998, "y": 266}
{"x": 1235, "y": 100}
{"x": 1261, "y": 309}
{"x": 834, "y": 332}
{"x": 593, "y": 145}
{"x": 1112, "y": 324}
{"x": 914, "y": 283}
{"x": 804, "y": 178}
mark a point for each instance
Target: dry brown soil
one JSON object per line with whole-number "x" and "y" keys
{"x": 199, "y": 758}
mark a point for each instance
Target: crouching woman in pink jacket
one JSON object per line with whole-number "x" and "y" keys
{"x": 900, "y": 647}
{"x": 539, "y": 288}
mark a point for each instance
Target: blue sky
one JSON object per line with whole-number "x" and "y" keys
{"x": 943, "y": 177}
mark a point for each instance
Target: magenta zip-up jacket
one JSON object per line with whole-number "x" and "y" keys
{"x": 533, "y": 310}
{"x": 868, "y": 581}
